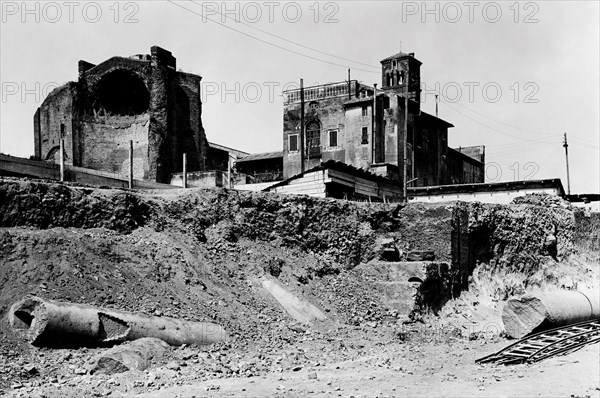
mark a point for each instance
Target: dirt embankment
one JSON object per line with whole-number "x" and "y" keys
{"x": 204, "y": 255}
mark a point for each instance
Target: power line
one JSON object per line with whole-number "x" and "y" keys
{"x": 264, "y": 41}
{"x": 492, "y": 128}
{"x": 509, "y": 150}
{"x": 357, "y": 62}
{"x": 500, "y": 122}
{"x": 290, "y": 41}
{"x": 550, "y": 155}
{"x": 583, "y": 141}
{"x": 509, "y": 125}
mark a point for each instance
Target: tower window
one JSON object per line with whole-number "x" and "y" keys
{"x": 333, "y": 138}
{"x": 365, "y": 136}
{"x": 293, "y": 143}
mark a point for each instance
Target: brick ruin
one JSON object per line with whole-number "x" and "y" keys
{"x": 142, "y": 98}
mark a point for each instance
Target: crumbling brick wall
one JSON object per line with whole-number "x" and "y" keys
{"x": 142, "y": 99}
{"x": 51, "y": 119}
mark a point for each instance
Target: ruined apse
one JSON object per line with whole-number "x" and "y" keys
{"x": 142, "y": 98}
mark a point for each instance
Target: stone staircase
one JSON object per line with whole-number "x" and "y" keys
{"x": 391, "y": 280}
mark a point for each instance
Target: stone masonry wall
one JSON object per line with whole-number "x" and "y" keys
{"x": 106, "y": 145}
{"x": 55, "y": 111}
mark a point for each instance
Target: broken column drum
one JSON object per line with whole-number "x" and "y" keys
{"x": 58, "y": 324}
{"x": 529, "y": 313}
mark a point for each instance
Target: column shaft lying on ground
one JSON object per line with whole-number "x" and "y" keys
{"x": 60, "y": 324}
{"x": 523, "y": 315}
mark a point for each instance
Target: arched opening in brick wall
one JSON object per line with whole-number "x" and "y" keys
{"x": 121, "y": 93}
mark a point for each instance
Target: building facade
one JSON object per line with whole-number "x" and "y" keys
{"x": 367, "y": 127}
{"x": 143, "y": 99}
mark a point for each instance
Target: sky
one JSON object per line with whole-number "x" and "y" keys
{"x": 513, "y": 76}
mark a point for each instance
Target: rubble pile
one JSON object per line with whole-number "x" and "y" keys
{"x": 44, "y": 206}
{"x": 202, "y": 256}
{"x": 538, "y": 199}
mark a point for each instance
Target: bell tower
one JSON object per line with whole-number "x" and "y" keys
{"x": 399, "y": 70}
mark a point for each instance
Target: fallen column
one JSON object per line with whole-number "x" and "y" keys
{"x": 58, "y": 324}
{"x": 134, "y": 355}
{"x": 523, "y": 315}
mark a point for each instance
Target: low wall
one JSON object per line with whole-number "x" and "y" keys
{"x": 200, "y": 179}
{"x": 497, "y": 197}
{"x": 12, "y": 166}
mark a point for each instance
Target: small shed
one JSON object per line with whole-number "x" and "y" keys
{"x": 333, "y": 179}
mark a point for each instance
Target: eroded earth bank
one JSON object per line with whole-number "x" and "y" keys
{"x": 319, "y": 297}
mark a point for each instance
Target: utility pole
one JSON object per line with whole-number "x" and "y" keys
{"x": 62, "y": 160}
{"x": 184, "y": 173}
{"x": 229, "y": 167}
{"x": 130, "y": 177}
{"x": 302, "y": 169}
{"x": 349, "y": 93}
{"x": 405, "y": 138}
{"x": 566, "y": 145}
{"x": 374, "y": 126}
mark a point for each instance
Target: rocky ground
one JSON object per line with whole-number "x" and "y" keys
{"x": 204, "y": 255}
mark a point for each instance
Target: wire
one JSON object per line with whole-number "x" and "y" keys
{"x": 264, "y": 41}
{"x": 550, "y": 155}
{"x": 512, "y": 126}
{"x": 492, "y": 128}
{"x": 363, "y": 70}
{"x": 510, "y": 150}
{"x": 291, "y": 41}
{"x": 500, "y": 122}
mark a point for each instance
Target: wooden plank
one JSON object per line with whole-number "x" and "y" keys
{"x": 317, "y": 176}
{"x": 300, "y": 186}
{"x": 317, "y": 193}
{"x": 341, "y": 182}
{"x": 360, "y": 185}
{"x": 366, "y": 182}
{"x": 303, "y": 189}
{"x": 367, "y": 190}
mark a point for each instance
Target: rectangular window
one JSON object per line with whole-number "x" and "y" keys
{"x": 365, "y": 111}
{"x": 313, "y": 138}
{"x": 333, "y": 136}
{"x": 293, "y": 142}
{"x": 365, "y": 135}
